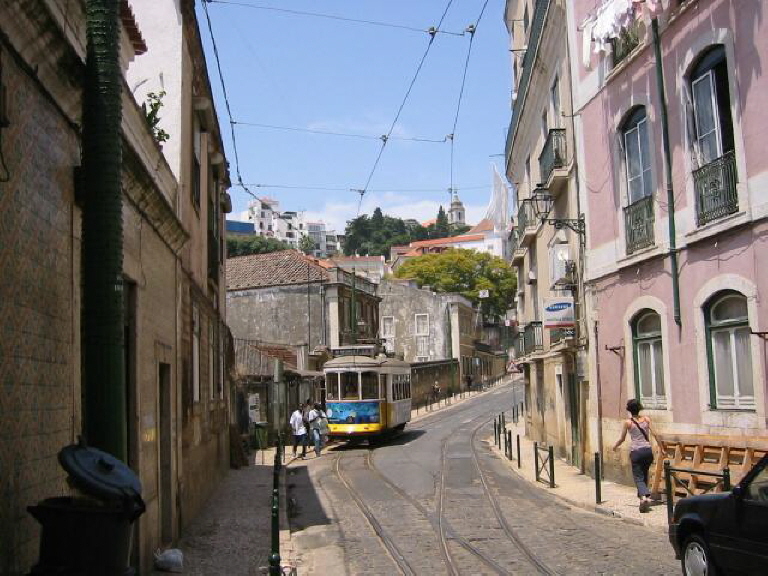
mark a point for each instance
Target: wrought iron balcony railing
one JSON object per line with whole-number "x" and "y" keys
{"x": 638, "y": 224}
{"x": 715, "y": 185}
{"x": 526, "y": 217}
{"x": 533, "y": 338}
{"x": 553, "y": 155}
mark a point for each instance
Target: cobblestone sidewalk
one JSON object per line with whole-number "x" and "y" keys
{"x": 578, "y": 489}
{"x": 232, "y": 533}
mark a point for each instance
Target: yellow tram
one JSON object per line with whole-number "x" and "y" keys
{"x": 366, "y": 397}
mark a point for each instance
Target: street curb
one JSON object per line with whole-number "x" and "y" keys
{"x": 589, "y": 507}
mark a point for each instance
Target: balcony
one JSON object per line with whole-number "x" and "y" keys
{"x": 527, "y": 223}
{"x": 553, "y": 161}
{"x": 638, "y": 224}
{"x": 533, "y": 338}
{"x": 519, "y": 347}
{"x": 627, "y": 40}
{"x": 516, "y": 249}
{"x": 715, "y": 185}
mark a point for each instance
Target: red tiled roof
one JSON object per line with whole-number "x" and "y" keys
{"x": 357, "y": 259}
{"x": 429, "y": 222}
{"x": 129, "y": 21}
{"x": 276, "y": 269}
{"x": 485, "y": 225}
{"x": 449, "y": 240}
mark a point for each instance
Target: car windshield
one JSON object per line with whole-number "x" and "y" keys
{"x": 758, "y": 488}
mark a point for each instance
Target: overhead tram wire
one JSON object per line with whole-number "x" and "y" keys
{"x": 340, "y": 189}
{"x": 335, "y": 17}
{"x": 342, "y": 134}
{"x": 226, "y": 101}
{"x": 471, "y": 30}
{"x": 432, "y": 34}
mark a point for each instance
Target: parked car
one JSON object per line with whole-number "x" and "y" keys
{"x": 724, "y": 532}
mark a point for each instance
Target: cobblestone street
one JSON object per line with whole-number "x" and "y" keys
{"x": 438, "y": 500}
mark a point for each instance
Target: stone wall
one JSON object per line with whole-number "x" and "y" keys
{"x": 278, "y": 314}
{"x": 39, "y": 315}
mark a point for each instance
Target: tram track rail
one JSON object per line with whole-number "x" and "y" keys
{"x": 394, "y": 552}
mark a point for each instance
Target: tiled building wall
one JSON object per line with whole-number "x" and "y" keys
{"x": 39, "y": 404}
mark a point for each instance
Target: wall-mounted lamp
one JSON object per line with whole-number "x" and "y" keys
{"x": 543, "y": 204}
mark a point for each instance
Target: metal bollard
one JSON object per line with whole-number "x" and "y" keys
{"x": 551, "y": 467}
{"x": 668, "y": 488}
{"x": 598, "y": 479}
{"x": 726, "y": 479}
{"x": 536, "y": 459}
{"x": 495, "y": 435}
{"x": 503, "y": 421}
{"x": 518, "y": 451}
{"x": 274, "y": 558}
{"x": 509, "y": 443}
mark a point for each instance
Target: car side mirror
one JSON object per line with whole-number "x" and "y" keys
{"x": 738, "y": 492}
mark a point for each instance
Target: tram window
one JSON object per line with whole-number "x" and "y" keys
{"x": 370, "y": 386}
{"x": 396, "y": 390}
{"x": 349, "y": 386}
{"x": 383, "y": 386}
{"x": 332, "y": 386}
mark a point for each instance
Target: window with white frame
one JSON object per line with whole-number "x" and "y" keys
{"x": 729, "y": 353}
{"x": 637, "y": 156}
{"x": 711, "y": 106}
{"x": 422, "y": 348}
{"x": 195, "y": 354}
{"x": 559, "y": 260}
{"x": 648, "y": 354}
{"x": 421, "y": 322}
{"x": 387, "y": 326}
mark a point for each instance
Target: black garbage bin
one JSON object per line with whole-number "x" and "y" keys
{"x": 89, "y": 534}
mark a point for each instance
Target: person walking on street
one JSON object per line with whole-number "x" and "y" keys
{"x": 640, "y": 450}
{"x": 299, "y": 431}
{"x": 317, "y": 423}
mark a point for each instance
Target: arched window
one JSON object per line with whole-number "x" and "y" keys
{"x": 729, "y": 352}
{"x": 712, "y": 106}
{"x": 637, "y": 156}
{"x": 648, "y": 354}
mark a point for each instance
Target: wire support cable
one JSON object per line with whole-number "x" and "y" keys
{"x": 356, "y": 190}
{"x": 342, "y": 134}
{"x": 471, "y": 30}
{"x": 431, "y": 30}
{"x": 402, "y": 105}
{"x": 226, "y": 101}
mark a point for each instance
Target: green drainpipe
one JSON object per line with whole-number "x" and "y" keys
{"x": 104, "y": 417}
{"x": 667, "y": 171}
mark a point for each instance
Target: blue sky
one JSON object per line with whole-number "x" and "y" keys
{"x": 314, "y": 73}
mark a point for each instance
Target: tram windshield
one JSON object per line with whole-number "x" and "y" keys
{"x": 349, "y": 386}
{"x": 332, "y": 386}
{"x": 370, "y": 383}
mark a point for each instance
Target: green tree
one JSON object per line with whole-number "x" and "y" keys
{"x": 306, "y": 244}
{"x": 465, "y": 272}
{"x": 245, "y": 245}
{"x": 442, "y": 228}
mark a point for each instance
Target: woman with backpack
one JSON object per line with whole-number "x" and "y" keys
{"x": 640, "y": 450}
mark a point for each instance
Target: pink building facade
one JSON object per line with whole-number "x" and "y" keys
{"x": 699, "y": 366}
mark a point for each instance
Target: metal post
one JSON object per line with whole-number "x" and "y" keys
{"x": 509, "y": 443}
{"x": 536, "y": 459}
{"x": 503, "y": 421}
{"x": 726, "y": 479}
{"x": 274, "y": 558}
{"x": 518, "y": 451}
{"x": 668, "y": 488}
{"x": 551, "y": 467}
{"x": 495, "y": 435}
{"x": 598, "y": 478}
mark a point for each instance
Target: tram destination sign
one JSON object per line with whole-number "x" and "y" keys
{"x": 559, "y": 312}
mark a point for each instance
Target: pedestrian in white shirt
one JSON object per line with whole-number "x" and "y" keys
{"x": 299, "y": 431}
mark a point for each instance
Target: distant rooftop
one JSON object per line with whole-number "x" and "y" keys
{"x": 281, "y": 268}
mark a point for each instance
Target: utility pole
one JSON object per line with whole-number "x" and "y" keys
{"x": 104, "y": 419}
{"x": 354, "y": 307}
